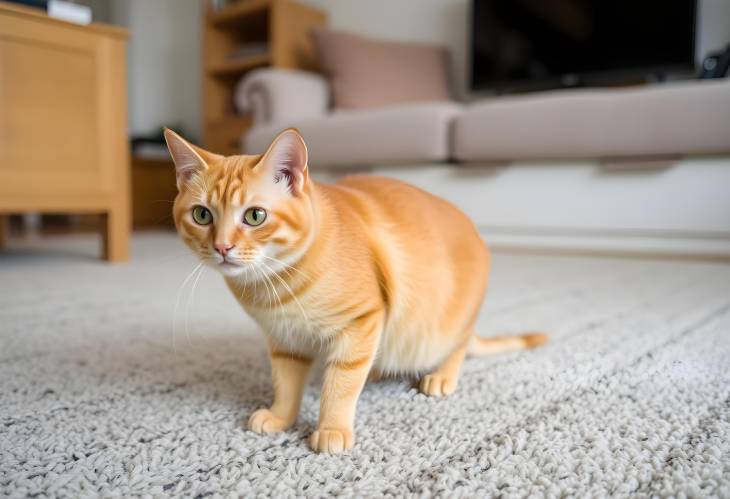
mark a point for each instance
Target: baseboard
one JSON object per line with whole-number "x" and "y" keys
{"x": 613, "y": 244}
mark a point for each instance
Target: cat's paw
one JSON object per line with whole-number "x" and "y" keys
{"x": 265, "y": 421}
{"x": 436, "y": 385}
{"x": 332, "y": 440}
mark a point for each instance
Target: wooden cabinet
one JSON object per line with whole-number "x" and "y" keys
{"x": 154, "y": 189}
{"x": 63, "y": 121}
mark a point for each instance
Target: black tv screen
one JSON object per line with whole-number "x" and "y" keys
{"x": 551, "y": 43}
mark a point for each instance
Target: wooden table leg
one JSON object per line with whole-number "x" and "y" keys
{"x": 4, "y": 230}
{"x": 116, "y": 231}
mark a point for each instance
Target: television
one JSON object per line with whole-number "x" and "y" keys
{"x": 530, "y": 44}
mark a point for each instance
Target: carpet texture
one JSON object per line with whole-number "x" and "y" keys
{"x": 631, "y": 398}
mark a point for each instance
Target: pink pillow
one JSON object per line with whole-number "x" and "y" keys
{"x": 368, "y": 73}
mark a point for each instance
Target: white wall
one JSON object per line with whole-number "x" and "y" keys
{"x": 164, "y": 63}
{"x": 713, "y": 26}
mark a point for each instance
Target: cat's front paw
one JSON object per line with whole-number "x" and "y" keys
{"x": 265, "y": 421}
{"x": 332, "y": 440}
{"x": 436, "y": 385}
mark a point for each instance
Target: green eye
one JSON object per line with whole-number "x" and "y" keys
{"x": 202, "y": 215}
{"x": 254, "y": 216}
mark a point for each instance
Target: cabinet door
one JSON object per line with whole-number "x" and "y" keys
{"x": 53, "y": 121}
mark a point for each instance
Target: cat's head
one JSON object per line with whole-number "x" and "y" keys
{"x": 244, "y": 215}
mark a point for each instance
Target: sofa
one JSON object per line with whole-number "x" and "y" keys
{"x": 638, "y": 169}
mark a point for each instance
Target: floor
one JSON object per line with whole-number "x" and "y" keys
{"x": 137, "y": 379}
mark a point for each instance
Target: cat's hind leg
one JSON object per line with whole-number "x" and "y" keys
{"x": 443, "y": 380}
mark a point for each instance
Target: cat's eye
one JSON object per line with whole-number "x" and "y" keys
{"x": 254, "y": 216}
{"x": 202, "y": 215}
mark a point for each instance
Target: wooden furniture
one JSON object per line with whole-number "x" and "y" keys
{"x": 153, "y": 191}
{"x": 63, "y": 121}
{"x": 282, "y": 25}
{"x": 4, "y": 229}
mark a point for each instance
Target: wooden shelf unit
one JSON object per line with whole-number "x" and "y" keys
{"x": 236, "y": 67}
{"x": 282, "y": 25}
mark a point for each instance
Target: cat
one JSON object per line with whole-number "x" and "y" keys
{"x": 371, "y": 275}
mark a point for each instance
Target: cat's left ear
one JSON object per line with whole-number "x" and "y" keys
{"x": 286, "y": 160}
{"x": 188, "y": 158}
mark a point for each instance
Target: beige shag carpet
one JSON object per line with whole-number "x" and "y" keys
{"x": 117, "y": 381}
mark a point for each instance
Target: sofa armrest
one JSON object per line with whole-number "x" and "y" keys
{"x": 282, "y": 95}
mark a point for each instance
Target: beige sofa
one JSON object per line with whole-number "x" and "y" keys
{"x": 637, "y": 169}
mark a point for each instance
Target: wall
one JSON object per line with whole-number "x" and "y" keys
{"x": 164, "y": 63}
{"x": 713, "y": 26}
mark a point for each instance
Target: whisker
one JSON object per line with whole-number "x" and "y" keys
{"x": 190, "y": 300}
{"x": 177, "y": 303}
{"x": 287, "y": 266}
{"x": 280, "y": 311}
{"x": 256, "y": 280}
{"x": 289, "y": 290}
{"x": 243, "y": 290}
{"x": 273, "y": 288}
{"x": 263, "y": 282}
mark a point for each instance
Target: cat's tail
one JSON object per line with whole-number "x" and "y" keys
{"x": 479, "y": 346}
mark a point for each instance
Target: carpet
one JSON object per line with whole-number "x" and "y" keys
{"x": 98, "y": 397}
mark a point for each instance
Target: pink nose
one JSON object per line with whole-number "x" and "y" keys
{"x": 223, "y": 249}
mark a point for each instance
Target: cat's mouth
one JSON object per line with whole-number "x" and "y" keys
{"x": 230, "y": 265}
{"x": 229, "y": 268}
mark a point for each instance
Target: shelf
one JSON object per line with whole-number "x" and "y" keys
{"x": 237, "y": 121}
{"x": 237, "y": 66}
{"x": 282, "y": 30}
{"x": 233, "y": 13}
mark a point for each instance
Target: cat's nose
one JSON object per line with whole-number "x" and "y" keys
{"x": 223, "y": 249}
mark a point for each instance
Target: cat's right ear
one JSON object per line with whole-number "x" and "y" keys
{"x": 188, "y": 158}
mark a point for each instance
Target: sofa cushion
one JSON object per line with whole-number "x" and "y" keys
{"x": 395, "y": 135}
{"x": 367, "y": 73}
{"x": 678, "y": 118}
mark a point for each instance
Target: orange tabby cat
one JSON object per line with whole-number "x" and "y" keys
{"x": 372, "y": 275}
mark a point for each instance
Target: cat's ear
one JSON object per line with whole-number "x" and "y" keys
{"x": 286, "y": 160}
{"x": 188, "y": 158}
